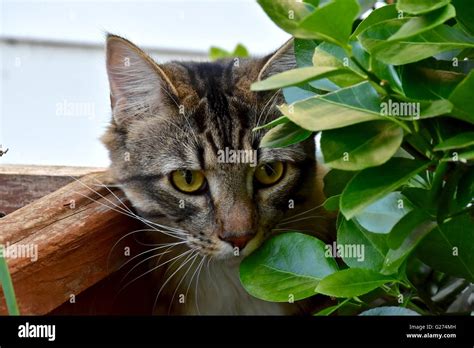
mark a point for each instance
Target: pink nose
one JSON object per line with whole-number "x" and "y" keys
{"x": 237, "y": 240}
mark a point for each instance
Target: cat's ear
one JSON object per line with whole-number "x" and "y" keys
{"x": 137, "y": 83}
{"x": 281, "y": 60}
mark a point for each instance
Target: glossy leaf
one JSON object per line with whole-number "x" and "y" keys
{"x": 450, "y": 248}
{"x": 372, "y": 184}
{"x": 332, "y": 21}
{"x": 418, "y": 228}
{"x": 376, "y": 16}
{"x": 351, "y": 282}
{"x": 294, "y": 77}
{"x": 342, "y": 108}
{"x": 465, "y": 14}
{"x": 427, "y": 44}
{"x": 275, "y": 122}
{"x": 373, "y": 247}
{"x": 284, "y": 134}
{"x": 459, "y": 141}
{"x": 293, "y": 94}
{"x": 335, "y": 181}
{"x": 418, "y": 25}
{"x": 362, "y": 145}
{"x": 420, "y": 6}
{"x": 287, "y": 14}
{"x": 463, "y": 100}
{"x": 332, "y": 203}
{"x": 330, "y": 55}
{"x": 288, "y": 265}
{"x": 382, "y": 215}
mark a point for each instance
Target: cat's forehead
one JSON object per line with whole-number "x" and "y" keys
{"x": 232, "y": 77}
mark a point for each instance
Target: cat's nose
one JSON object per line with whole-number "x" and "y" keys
{"x": 238, "y": 240}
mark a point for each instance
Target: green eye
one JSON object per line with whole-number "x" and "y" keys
{"x": 269, "y": 173}
{"x": 188, "y": 181}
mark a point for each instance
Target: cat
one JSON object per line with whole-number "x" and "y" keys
{"x": 170, "y": 124}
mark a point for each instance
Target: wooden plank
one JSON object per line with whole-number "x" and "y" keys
{"x": 24, "y": 184}
{"x": 73, "y": 230}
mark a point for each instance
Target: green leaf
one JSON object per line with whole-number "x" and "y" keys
{"x": 304, "y": 51}
{"x": 457, "y": 142}
{"x": 332, "y": 203}
{"x": 275, "y": 122}
{"x": 330, "y": 55}
{"x": 342, "y": 108}
{"x": 284, "y": 134}
{"x": 465, "y": 14}
{"x": 287, "y": 14}
{"x": 397, "y": 52}
{"x": 351, "y": 282}
{"x": 463, "y": 100}
{"x": 382, "y": 215}
{"x": 288, "y": 264}
{"x": 404, "y": 227}
{"x": 465, "y": 193}
{"x": 418, "y": 25}
{"x": 329, "y": 310}
{"x": 7, "y": 286}
{"x": 389, "y": 310}
{"x": 240, "y": 51}
{"x": 376, "y": 16}
{"x": 450, "y": 248}
{"x": 372, "y": 184}
{"x": 294, "y": 77}
{"x": 293, "y": 94}
{"x": 418, "y": 227}
{"x": 217, "y": 53}
{"x": 426, "y": 82}
{"x": 350, "y": 237}
{"x": 420, "y": 6}
{"x": 335, "y": 181}
{"x": 361, "y": 145}
{"x": 332, "y": 22}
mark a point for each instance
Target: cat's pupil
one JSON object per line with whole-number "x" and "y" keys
{"x": 269, "y": 170}
{"x": 188, "y": 176}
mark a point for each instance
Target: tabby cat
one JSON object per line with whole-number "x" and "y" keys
{"x": 171, "y": 123}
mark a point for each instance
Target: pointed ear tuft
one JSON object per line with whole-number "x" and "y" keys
{"x": 283, "y": 59}
{"x": 137, "y": 83}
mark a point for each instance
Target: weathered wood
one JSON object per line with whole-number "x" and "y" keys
{"x": 74, "y": 230}
{"x": 23, "y": 184}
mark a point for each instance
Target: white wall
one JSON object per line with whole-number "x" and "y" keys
{"x": 54, "y": 102}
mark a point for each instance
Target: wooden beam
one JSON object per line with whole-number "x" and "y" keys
{"x": 73, "y": 230}
{"x": 24, "y": 184}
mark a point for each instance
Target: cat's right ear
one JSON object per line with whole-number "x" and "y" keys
{"x": 137, "y": 84}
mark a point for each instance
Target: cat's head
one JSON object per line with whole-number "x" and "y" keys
{"x": 172, "y": 142}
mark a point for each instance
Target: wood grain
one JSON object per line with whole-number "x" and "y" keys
{"x": 73, "y": 229}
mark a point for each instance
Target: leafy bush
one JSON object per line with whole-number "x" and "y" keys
{"x": 393, "y": 98}
{"x": 219, "y": 53}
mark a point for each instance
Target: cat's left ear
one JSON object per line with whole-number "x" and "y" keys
{"x": 281, "y": 60}
{"x": 138, "y": 85}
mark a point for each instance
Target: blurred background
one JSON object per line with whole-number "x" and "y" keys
{"x": 54, "y": 98}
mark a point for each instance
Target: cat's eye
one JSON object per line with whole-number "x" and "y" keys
{"x": 188, "y": 181}
{"x": 269, "y": 173}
